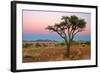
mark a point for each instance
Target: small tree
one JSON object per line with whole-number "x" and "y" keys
{"x": 68, "y": 28}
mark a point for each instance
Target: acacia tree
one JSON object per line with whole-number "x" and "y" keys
{"x": 67, "y": 29}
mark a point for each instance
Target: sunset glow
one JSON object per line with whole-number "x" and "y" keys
{"x": 35, "y": 22}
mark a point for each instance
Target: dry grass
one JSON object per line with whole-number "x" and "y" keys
{"x": 55, "y": 53}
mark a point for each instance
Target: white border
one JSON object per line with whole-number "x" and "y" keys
{"x": 21, "y": 65}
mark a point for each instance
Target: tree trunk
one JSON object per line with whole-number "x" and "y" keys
{"x": 67, "y": 53}
{"x": 68, "y": 50}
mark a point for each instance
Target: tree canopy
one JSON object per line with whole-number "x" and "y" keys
{"x": 69, "y": 27}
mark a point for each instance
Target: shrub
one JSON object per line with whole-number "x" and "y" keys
{"x": 88, "y": 43}
{"x": 57, "y": 44}
{"x": 45, "y": 45}
{"x": 27, "y": 45}
{"x": 37, "y": 45}
{"x": 62, "y": 44}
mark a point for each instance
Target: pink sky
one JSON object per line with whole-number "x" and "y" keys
{"x": 35, "y": 22}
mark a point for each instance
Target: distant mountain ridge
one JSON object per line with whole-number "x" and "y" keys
{"x": 40, "y": 40}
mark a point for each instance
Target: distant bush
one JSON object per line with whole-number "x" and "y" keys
{"x": 37, "y": 45}
{"x": 88, "y": 43}
{"x": 74, "y": 42}
{"x": 45, "y": 45}
{"x": 26, "y": 45}
{"x": 62, "y": 44}
{"x": 57, "y": 44}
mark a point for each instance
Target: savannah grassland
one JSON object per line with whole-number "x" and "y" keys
{"x": 54, "y": 51}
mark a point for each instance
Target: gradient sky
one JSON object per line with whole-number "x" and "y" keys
{"x": 35, "y": 22}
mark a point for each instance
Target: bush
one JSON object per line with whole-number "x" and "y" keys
{"x": 62, "y": 44}
{"x": 88, "y": 43}
{"x": 37, "y": 45}
{"x": 45, "y": 45}
{"x": 57, "y": 44}
{"x": 26, "y": 45}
